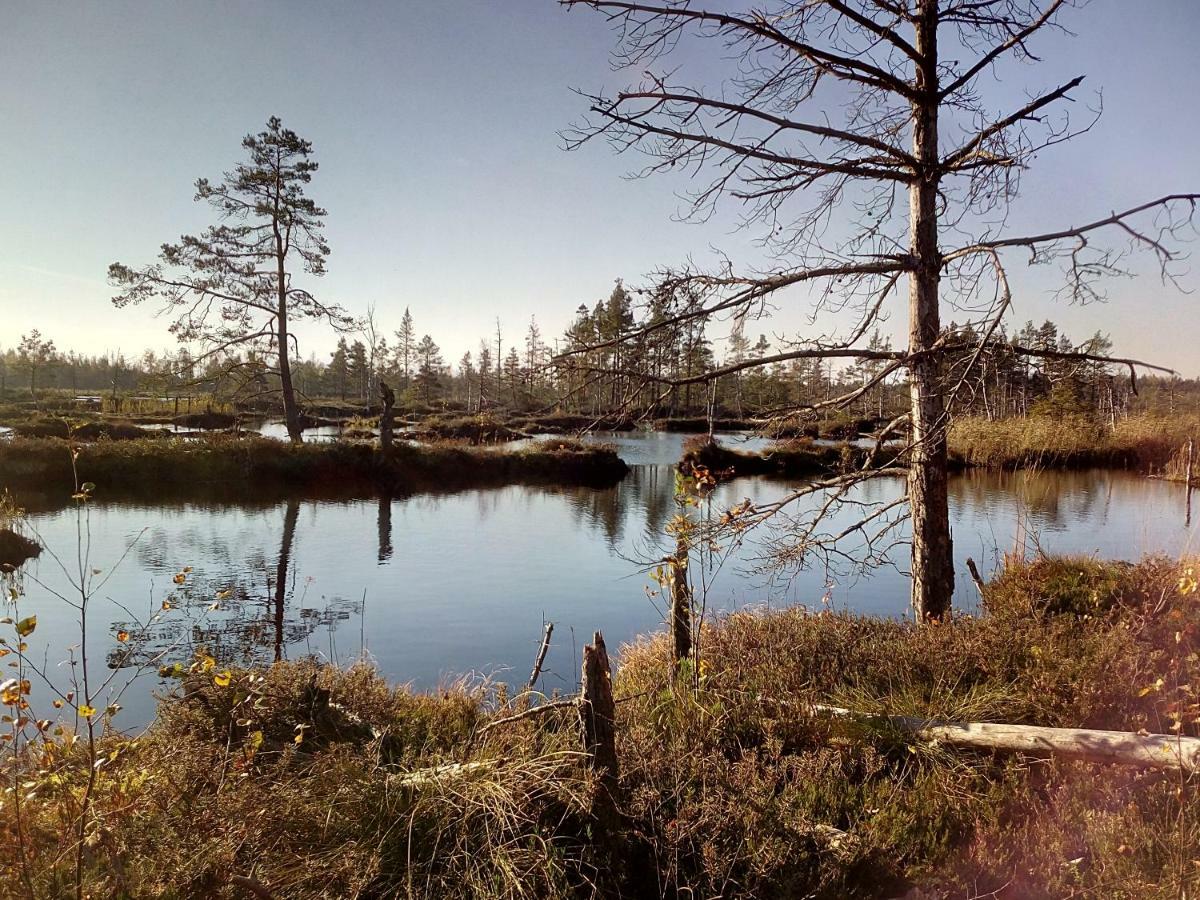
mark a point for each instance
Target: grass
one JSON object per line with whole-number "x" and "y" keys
{"x": 235, "y": 465}
{"x": 786, "y": 459}
{"x": 728, "y": 785}
{"x": 1139, "y": 442}
{"x": 480, "y": 429}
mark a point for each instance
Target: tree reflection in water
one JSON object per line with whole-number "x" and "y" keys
{"x": 236, "y": 623}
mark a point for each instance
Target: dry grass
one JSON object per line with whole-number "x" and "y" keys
{"x": 729, "y": 789}
{"x": 1142, "y": 442}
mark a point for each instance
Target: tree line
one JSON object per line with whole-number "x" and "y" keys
{"x": 616, "y": 379}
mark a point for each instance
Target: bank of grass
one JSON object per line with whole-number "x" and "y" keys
{"x": 252, "y": 465}
{"x": 477, "y": 429}
{"x": 1146, "y": 443}
{"x": 94, "y": 426}
{"x": 785, "y": 459}
{"x": 729, "y": 788}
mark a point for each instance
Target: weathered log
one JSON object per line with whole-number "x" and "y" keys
{"x": 422, "y": 777}
{"x": 1159, "y": 751}
{"x": 597, "y": 718}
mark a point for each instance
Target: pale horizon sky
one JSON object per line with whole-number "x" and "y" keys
{"x": 435, "y": 125}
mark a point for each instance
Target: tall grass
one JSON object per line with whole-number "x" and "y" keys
{"x": 1142, "y": 442}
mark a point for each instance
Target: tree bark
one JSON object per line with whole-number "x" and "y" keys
{"x": 932, "y": 557}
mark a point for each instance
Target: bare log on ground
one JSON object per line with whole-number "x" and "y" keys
{"x": 1159, "y": 751}
{"x": 422, "y": 777}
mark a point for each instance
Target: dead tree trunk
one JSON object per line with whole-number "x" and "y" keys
{"x": 597, "y": 716}
{"x": 387, "y": 417}
{"x": 932, "y": 557}
{"x": 681, "y": 603}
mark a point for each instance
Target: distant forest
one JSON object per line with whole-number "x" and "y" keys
{"x": 595, "y": 368}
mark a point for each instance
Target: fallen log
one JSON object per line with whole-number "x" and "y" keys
{"x": 434, "y": 774}
{"x": 1159, "y": 751}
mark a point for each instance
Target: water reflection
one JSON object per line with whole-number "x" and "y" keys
{"x": 461, "y": 582}
{"x": 226, "y": 616}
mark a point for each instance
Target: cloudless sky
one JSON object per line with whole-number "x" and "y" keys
{"x": 435, "y": 121}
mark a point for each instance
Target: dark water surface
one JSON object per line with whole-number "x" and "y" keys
{"x": 433, "y": 587}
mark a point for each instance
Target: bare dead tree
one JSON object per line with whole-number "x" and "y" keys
{"x": 831, "y": 113}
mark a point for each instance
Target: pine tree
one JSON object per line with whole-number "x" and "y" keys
{"x": 234, "y": 285}
{"x": 405, "y": 349}
{"x": 339, "y": 368}
{"x": 429, "y": 369}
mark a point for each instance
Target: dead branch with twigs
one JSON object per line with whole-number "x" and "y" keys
{"x": 830, "y": 114}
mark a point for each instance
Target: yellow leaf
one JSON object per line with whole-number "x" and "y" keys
{"x": 222, "y": 679}
{"x": 225, "y": 594}
{"x": 122, "y": 636}
{"x": 87, "y": 711}
{"x": 166, "y": 604}
{"x": 179, "y": 578}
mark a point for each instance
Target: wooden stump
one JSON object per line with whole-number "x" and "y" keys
{"x": 597, "y": 714}
{"x": 387, "y": 417}
{"x": 597, "y": 717}
{"x": 681, "y": 604}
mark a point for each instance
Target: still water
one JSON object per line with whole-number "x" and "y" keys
{"x": 435, "y": 587}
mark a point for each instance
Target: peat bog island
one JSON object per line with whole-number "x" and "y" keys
{"x": 600, "y": 449}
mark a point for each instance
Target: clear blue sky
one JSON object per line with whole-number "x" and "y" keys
{"x": 435, "y": 125}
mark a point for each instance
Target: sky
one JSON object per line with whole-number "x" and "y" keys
{"x": 436, "y": 124}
